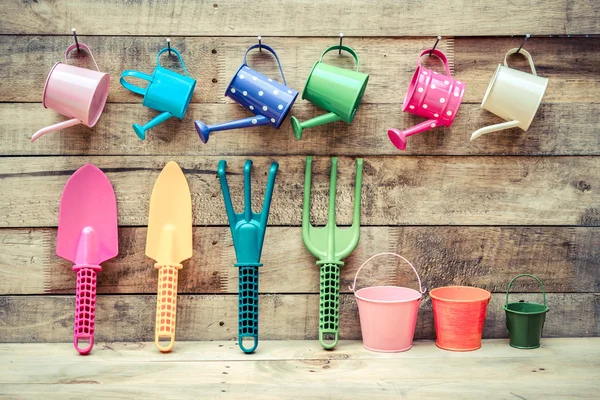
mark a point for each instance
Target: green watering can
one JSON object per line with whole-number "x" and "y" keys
{"x": 334, "y": 89}
{"x": 525, "y": 321}
{"x": 330, "y": 245}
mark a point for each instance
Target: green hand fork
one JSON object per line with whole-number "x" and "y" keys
{"x": 248, "y": 232}
{"x": 330, "y": 245}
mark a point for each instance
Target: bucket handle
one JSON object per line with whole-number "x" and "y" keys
{"x": 269, "y": 49}
{"x": 345, "y": 48}
{"x": 178, "y": 56}
{"x": 525, "y": 53}
{"x": 81, "y": 46}
{"x": 422, "y": 290}
{"x": 532, "y": 276}
{"x": 439, "y": 54}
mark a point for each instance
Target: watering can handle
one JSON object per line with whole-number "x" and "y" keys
{"x": 345, "y": 48}
{"x": 178, "y": 56}
{"x": 130, "y": 86}
{"x": 81, "y": 46}
{"x": 421, "y": 288}
{"x": 269, "y": 49}
{"x": 525, "y": 53}
{"x": 531, "y": 276}
{"x": 439, "y": 54}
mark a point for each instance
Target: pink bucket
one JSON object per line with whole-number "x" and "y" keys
{"x": 77, "y": 93}
{"x": 388, "y": 314}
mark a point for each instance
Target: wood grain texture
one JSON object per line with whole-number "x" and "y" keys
{"x": 565, "y": 259}
{"x": 562, "y": 368}
{"x": 283, "y": 317}
{"x": 571, "y": 64}
{"x": 282, "y": 350}
{"x": 559, "y": 129}
{"x": 213, "y": 62}
{"x": 303, "y": 18}
{"x": 396, "y": 190}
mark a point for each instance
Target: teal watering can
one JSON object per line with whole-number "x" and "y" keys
{"x": 167, "y": 92}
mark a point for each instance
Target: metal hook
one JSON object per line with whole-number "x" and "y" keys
{"x": 341, "y": 38}
{"x": 435, "y": 45}
{"x": 75, "y": 37}
{"x": 523, "y": 42}
{"x": 260, "y": 43}
{"x": 169, "y": 45}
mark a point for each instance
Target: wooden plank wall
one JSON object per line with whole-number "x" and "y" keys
{"x": 473, "y": 213}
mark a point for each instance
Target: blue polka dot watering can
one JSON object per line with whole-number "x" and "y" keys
{"x": 268, "y": 99}
{"x": 167, "y": 92}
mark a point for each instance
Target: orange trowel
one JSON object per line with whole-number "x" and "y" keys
{"x": 169, "y": 242}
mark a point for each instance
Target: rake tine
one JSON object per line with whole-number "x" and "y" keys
{"x": 247, "y": 190}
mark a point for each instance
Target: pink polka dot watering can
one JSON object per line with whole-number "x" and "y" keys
{"x": 268, "y": 99}
{"x": 77, "y": 93}
{"x": 431, "y": 95}
{"x": 167, "y": 92}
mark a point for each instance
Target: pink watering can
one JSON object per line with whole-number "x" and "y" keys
{"x": 87, "y": 236}
{"x": 77, "y": 93}
{"x": 431, "y": 95}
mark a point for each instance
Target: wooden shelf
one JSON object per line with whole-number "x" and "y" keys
{"x": 561, "y": 369}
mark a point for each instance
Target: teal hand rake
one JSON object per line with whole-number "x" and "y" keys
{"x": 248, "y": 232}
{"x": 330, "y": 245}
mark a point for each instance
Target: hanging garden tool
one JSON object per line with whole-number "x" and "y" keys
{"x": 87, "y": 236}
{"x": 330, "y": 245}
{"x": 169, "y": 242}
{"x": 334, "y": 89}
{"x": 168, "y": 92}
{"x": 248, "y": 233}
{"x": 269, "y": 100}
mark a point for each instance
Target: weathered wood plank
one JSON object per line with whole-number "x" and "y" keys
{"x": 212, "y": 62}
{"x": 282, "y": 350}
{"x": 413, "y": 374}
{"x": 303, "y": 18}
{"x": 564, "y": 258}
{"x": 559, "y": 129}
{"x": 288, "y": 317}
{"x": 389, "y": 61}
{"x": 396, "y": 190}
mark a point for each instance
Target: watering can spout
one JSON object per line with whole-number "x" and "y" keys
{"x": 494, "y": 128}
{"x": 298, "y": 126}
{"x": 159, "y": 119}
{"x": 54, "y": 128}
{"x": 204, "y": 130}
{"x": 398, "y": 137}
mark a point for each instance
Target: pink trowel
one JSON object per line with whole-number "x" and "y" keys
{"x": 87, "y": 236}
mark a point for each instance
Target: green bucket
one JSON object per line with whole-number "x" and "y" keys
{"x": 337, "y": 90}
{"x": 525, "y": 321}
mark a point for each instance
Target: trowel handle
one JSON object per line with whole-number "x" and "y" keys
{"x": 85, "y": 307}
{"x": 166, "y": 306}
{"x": 248, "y": 307}
{"x": 329, "y": 305}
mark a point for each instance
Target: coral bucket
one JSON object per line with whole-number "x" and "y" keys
{"x": 525, "y": 321}
{"x": 459, "y": 314}
{"x": 388, "y": 314}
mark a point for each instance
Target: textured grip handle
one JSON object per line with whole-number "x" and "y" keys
{"x": 166, "y": 306}
{"x": 248, "y": 307}
{"x": 85, "y": 309}
{"x": 329, "y": 305}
